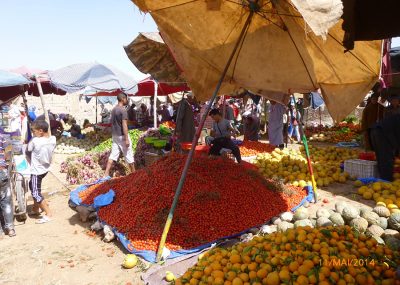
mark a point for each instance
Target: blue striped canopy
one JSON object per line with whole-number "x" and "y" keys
{"x": 99, "y": 77}
{"x": 9, "y": 79}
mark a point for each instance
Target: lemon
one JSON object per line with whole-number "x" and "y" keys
{"x": 169, "y": 276}
{"x": 377, "y": 186}
{"x": 392, "y": 206}
{"x": 130, "y": 261}
{"x": 381, "y": 203}
{"x": 367, "y": 195}
{"x": 358, "y": 183}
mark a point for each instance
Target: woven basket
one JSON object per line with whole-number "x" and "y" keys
{"x": 150, "y": 158}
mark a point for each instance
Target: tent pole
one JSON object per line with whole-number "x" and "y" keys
{"x": 310, "y": 168}
{"x": 46, "y": 114}
{"x": 197, "y": 135}
{"x": 96, "y": 109}
{"x": 155, "y": 103}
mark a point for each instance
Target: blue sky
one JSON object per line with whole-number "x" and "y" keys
{"x": 49, "y": 34}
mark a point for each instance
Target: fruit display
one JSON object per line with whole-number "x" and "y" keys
{"x": 291, "y": 165}
{"x": 213, "y": 204}
{"x": 89, "y": 167}
{"x": 106, "y": 144}
{"x": 388, "y": 194}
{"x": 378, "y": 222}
{"x": 343, "y": 132}
{"x": 250, "y": 148}
{"x": 72, "y": 145}
{"x": 169, "y": 124}
{"x": 143, "y": 147}
{"x": 302, "y": 255}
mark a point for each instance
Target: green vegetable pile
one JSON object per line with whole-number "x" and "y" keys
{"x": 106, "y": 145}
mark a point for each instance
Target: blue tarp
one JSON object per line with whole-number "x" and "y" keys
{"x": 8, "y": 79}
{"x": 150, "y": 256}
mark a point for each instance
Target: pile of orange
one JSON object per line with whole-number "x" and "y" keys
{"x": 251, "y": 148}
{"x": 330, "y": 255}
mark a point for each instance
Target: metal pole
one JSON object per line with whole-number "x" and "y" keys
{"x": 46, "y": 114}
{"x": 196, "y": 138}
{"x": 155, "y": 103}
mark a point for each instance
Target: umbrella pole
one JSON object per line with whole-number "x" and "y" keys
{"x": 155, "y": 103}
{"x": 46, "y": 114}
{"x": 197, "y": 135}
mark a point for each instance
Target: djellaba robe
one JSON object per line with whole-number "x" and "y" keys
{"x": 185, "y": 122}
{"x": 275, "y": 124}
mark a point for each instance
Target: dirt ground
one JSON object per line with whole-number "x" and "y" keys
{"x": 61, "y": 252}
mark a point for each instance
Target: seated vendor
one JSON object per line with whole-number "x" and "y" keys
{"x": 221, "y": 133}
{"x": 75, "y": 129}
{"x": 251, "y": 127}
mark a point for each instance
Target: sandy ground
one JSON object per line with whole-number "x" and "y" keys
{"x": 61, "y": 252}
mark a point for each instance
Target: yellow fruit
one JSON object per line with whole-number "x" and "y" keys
{"x": 381, "y": 203}
{"x": 130, "y": 261}
{"x": 358, "y": 183}
{"x": 377, "y": 186}
{"x": 392, "y": 211}
{"x": 362, "y": 190}
{"x": 392, "y": 206}
{"x": 367, "y": 195}
{"x": 169, "y": 276}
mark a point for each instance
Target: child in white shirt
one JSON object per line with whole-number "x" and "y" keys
{"x": 41, "y": 148}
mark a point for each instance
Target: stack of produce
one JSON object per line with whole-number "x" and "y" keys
{"x": 328, "y": 255}
{"x": 89, "y": 167}
{"x": 143, "y": 147}
{"x": 344, "y": 132}
{"x": 378, "y": 222}
{"x": 291, "y": 165}
{"x": 220, "y": 198}
{"x": 388, "y": 193}
{"x": 72, "y": 145}
{"x": 250, "y": 148}
{"x": 169, "y": 124}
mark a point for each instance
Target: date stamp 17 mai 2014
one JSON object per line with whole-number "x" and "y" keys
{"x": 343, "y": 262}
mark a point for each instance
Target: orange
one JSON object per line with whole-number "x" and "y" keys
{"x": 303, "y": 270}
{"x": 230, "y": 275}
{"x": 197, "y": 275}
{"x": 302, "y": 280}
{"x": 262, "y": 273}
{"x": 252, "y": 266}
{"x": 293, "y": 266}
{"x": 195, "y": 282}
{"x": 244, "y": 277}
{"x": 217, "y": 273}
{"x": 272, "y": 278}
{"x": 284, "y": 275}
{"x": 361, "y": 279}
{"x": 218, "y": 281}
{"x": 235, "y": 258}
{"x": 237, "y": 281}
{"x": 252, "y": 275}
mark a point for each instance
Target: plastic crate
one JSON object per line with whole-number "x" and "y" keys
{"x": 361, "y": 168}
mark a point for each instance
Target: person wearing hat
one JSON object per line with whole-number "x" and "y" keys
{"x": 394, "y": 107}
{"x": 251, "y": 126}
{"x": 385, "y": 140}
{"x": 372, "y": 114}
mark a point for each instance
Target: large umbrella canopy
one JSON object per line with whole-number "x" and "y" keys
{"x": 276, "y": 57}
{"x": 99, "y": 77}
{"x": 11, "y": 85}
{"x": 146, "y": 87}
{"x": 151, "y": 55}
{"x": 42, "y": 76}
